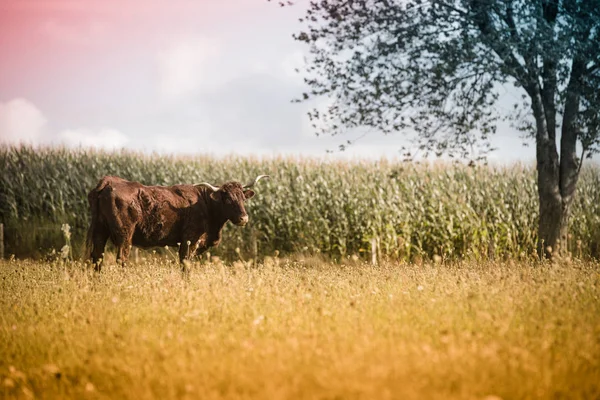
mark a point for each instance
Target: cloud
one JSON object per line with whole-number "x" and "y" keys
{"x": 253, "y": 114}
{"x": 188, "y": 66}
{"x": 104, "y": 138}
{"x": 21, "y": 122}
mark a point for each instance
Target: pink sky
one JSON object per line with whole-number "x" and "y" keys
{"x": 187, "y": 76}
{"x": 63, "y": 40}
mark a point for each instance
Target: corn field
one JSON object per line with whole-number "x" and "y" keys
{"x": 337, "y": 208}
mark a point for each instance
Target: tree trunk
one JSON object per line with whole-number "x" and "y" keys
{"x": 551, "y": 219}
{"x": 553, "y": 226}
{"x": 557, "y": 177}
{"x": 569, "y": 162}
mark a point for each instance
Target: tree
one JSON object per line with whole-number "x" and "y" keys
{"x": 436, "y": 68}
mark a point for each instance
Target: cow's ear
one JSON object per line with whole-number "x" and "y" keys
{"x": 248, "y": 194}
{"x": 216, "y": 195}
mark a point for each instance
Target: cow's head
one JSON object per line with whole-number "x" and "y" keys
{"x": 230, "y": 197}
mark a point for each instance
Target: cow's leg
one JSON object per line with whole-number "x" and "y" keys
{"x": 123, "y": 254}
{"x": 206, "y": 242}
{"x": 124, "y": 246}
{"x": 186, "y": 252}
{"x": 119, "y": 223}
{"x": 213, "y": 240}
{"x": 99, "y": 239}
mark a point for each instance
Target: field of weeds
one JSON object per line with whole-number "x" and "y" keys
{"x": 295, "y": 328}
{"x": 336, "y": 208}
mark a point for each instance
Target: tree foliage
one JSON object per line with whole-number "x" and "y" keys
{"x": 437, "y": 68}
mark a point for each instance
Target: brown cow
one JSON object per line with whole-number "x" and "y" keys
{"x": 191, "y": 216}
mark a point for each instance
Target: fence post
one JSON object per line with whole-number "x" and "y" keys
{"x": 374, "y": 251}
{"x": 255, "y": 247}
{"x": 1, "y": 241}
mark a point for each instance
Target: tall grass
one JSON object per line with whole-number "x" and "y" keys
{"x": 309, "y": 205}
{"x": 300, "y": 329}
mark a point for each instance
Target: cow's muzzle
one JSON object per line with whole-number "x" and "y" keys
{"x": 242, "y": 221}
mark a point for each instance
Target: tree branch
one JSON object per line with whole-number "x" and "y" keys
{"x": 568, "y": 152}
{"x": 493, "y": 40}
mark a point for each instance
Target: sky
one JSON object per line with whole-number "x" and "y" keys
{"x": 170, "y": 76}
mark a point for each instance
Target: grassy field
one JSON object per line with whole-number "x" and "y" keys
{"x": 295, "y": 328}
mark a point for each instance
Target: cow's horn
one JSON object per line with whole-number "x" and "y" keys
{"x": 252, "y": 183}
{"x": 208, "y": 185}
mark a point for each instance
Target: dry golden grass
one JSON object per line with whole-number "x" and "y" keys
{"x": 301, "y": 329}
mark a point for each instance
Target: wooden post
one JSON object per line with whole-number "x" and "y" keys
{"x": 374, "y": 251}
{"x": 1, "y": 241}
{"x": 255, "y": 247}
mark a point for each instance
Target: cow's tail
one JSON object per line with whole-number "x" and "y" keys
{"x": 93, "y": 201}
